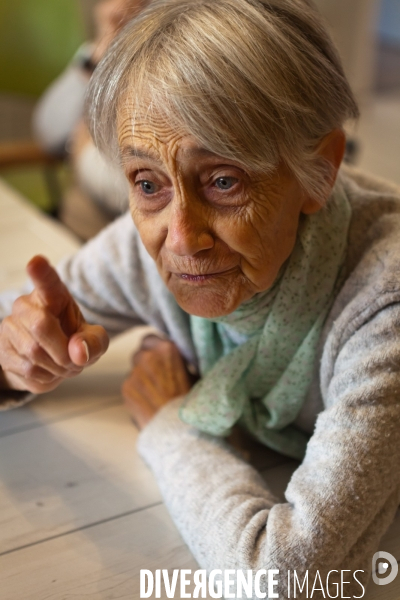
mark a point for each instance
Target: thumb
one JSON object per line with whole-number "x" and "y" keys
{"x": 49, "y": 288}
{"x": 88, "y": 344}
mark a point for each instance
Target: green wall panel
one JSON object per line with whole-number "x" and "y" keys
{"x": 37, "y": 39}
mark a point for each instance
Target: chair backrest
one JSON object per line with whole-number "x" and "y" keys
{"x": 37, "y": 39}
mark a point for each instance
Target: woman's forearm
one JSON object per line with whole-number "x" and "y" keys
{"x": 340, "y": 500}
{"x": 230, "y": 520}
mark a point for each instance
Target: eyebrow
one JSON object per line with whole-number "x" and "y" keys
{"x": 196, "y": 152}
{"x": 132, "y": 152}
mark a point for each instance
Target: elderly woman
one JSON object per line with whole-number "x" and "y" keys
{"x": 269, "y": 269}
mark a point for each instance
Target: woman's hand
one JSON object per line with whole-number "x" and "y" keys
{"x": 159, "y": 374}
{"x": 46, "y": 338}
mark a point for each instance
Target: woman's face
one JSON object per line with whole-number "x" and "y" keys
{"x": 217, "y": 232}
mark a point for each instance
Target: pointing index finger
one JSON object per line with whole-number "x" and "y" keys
{"x": 49, "y": 288}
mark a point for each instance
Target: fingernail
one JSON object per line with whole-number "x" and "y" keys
{"x": 86, "y": 350}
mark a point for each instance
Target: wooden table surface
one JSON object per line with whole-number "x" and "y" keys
{"x": 80, "y": 513}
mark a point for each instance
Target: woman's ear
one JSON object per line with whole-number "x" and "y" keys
{"x": 331, "y": 148}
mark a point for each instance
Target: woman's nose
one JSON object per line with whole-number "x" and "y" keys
{"x": 188, "y": 232}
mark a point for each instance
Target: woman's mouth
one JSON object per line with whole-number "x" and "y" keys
{"x": 197, "y": 278}
{"x": 200, "y": 277}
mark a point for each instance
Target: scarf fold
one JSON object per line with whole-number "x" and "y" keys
{"x": 257, "y": 363}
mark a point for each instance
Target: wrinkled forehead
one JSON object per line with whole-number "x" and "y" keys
{"x": 150, "y": 135}
{"x": 144, "y": 130}
{"x": 147, "y": 116}
{"x": 138, "y": 117}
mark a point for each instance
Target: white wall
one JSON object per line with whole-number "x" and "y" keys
{"x": 353, "y": 25}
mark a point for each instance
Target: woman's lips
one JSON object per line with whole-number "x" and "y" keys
{"x": 201, "y": 277}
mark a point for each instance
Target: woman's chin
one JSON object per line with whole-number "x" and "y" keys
{"x": 207, "y": 303}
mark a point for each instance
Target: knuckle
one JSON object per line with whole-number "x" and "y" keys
{"x": 5, "y": 323}
{"x": 28, "y": 371}
{"x": 139, "y": 356}
{"x": 35, "y": 374}
{"x": 7, "y": 326}
{"x": 34, "y": 351}
{"x": 168, "y": 349}
{"x": 26, "y": 368}
{"x": 39, "y": 325}
{"x": 167, "y": 346}
{"x": 39, "y": 377}
{"x": 19, "y": 304}
{"x": 150, "y": 340}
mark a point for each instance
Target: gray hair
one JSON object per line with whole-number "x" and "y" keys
{"x": 256, "y": 81}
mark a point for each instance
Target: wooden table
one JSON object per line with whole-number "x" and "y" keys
{"x": 80, "y": 513}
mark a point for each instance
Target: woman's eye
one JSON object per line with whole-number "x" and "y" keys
{"x": 148, "y": 187}
{"x": 225, "y": 183}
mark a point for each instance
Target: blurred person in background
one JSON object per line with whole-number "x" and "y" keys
{"x": 100, "y": 191}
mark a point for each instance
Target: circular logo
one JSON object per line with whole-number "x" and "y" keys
{"x": 387, "y": 565}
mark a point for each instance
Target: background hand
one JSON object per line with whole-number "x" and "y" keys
{"x": 46, "y": 338}
{"x": 159, "y": 375}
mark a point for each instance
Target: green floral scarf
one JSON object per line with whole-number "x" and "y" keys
{"x": 257, "y": 363}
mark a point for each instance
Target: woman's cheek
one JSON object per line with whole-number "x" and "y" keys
{"x": 246, "y": 234}
{"x": 151, "y": 233}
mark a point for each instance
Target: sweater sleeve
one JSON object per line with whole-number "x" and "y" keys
{"x": 339, "y": 501}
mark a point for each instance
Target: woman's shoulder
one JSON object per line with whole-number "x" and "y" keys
{"x": 367, "y": 307}
{"x": 357, "y": 178}
{"x": 375, "y": 222}
{"x": 372, "y": 265}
